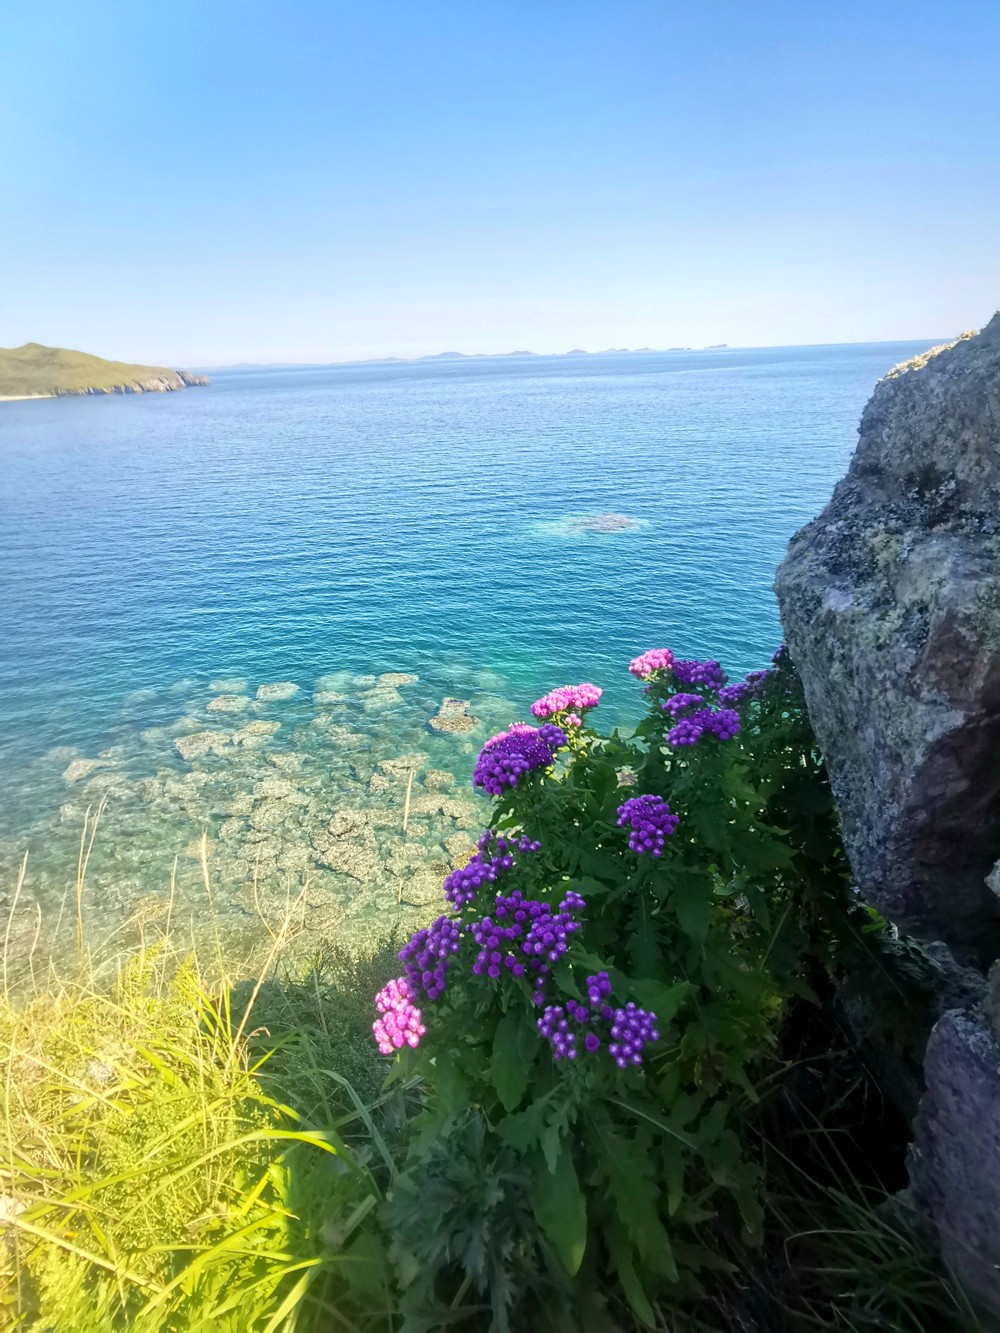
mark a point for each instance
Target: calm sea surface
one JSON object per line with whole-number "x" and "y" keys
{"x": 324, "y": 526}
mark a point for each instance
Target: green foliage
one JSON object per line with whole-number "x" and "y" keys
{"x": 632, "y": 1174}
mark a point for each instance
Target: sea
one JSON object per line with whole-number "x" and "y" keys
{"x": 229, "y": 614}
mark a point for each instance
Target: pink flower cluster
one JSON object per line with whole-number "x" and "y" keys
{"x": 653, "y": 659}
{"x": 572, "y": 699}
{"x": 400, "y": 1024}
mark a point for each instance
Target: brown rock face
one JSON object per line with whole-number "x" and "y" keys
{"x": 891, "y": 607}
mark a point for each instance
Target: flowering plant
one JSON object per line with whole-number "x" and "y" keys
{"x": 612, "y": 971}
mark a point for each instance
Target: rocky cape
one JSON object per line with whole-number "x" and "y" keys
{"x": 161, "y": 382}
{"x": 36, "y": 371}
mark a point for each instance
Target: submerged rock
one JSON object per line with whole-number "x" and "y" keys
{"x": 228, "y": 703}
{"x": 200, "y": 743}
{"x": 438, "y": 779}
{"x": 81, "y": 768}
{"x": 255, "y": 733}
{"x": 453, "y": 716}
{"x": 891, "y": 607}
{"x": 229, "y": 685}
{"x": 328, "y": 698}
{"x": 397, "y": 678}
{"x": 282, "y": 689}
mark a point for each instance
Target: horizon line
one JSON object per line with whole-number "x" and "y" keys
{"x": 573, "y": 352}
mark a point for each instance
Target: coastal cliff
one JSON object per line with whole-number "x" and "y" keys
{"x": 890, "y": 601}
{"x": 36, "y": 371}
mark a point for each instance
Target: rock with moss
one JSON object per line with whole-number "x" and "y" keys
{"x": 891, "y": 607}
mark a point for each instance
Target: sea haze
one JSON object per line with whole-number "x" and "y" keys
{"x": 283, "y": 525}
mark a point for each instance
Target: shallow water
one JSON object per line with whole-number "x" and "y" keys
{"x": 322, "y": 527}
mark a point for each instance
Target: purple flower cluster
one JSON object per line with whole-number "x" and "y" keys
{"x": 428, "y": 956}
{"x": 651, "y": 822}
{"x": 505, "y": 759}
{"x": 543, "y": 935}
{"x": 631, "y": 1028}
{"x": 401, "y": 1022}
{"x": 495, "y": 854}
{"x": 700, "y": 673}
{"x": 571, "y": 699}
{"x": 678, "y": 702}
{"x": 721, "y": 722}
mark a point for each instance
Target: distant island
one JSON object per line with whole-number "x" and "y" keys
{"x": 34, "y": 371}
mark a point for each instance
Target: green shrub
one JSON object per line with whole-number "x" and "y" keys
{"x": 637, "y": 1178}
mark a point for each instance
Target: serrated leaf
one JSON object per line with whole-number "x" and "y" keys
{"x": 523, "y": 1130}
{"x": 627, "y": 1167}
{"x": 561, "y": 1210}
{"x": 514, "y": 1048}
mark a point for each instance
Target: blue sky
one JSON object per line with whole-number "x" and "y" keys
{"x": 289, "y": 180}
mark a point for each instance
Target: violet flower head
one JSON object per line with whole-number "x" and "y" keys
{"x": 401, "y": 1022}
{"x": 573, "y": 699}
{"x": 734, "y": 695}
{"x": 506, "y": 758}
{"x": 721, "y": 722}
{"x": 651, "y": 822}
{"x": 678, "y": 702}
{"x": 496, "y": 854}
{"x": 653, "y": 659}
{"x": 428, "y": 956}
{"x": 709, "y": 673}
{"x": 631, "y": 1030}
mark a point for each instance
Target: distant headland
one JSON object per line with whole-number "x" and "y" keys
{"x": 457, "y": 356}
{"x": 34, "y": 371}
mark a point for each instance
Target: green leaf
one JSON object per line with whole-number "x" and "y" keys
{"x": 663, "y": 1000}
{"x": 515, "y": 1045}
{"x": 622, "y": 1259}
{"x": 627, "y": 1166}
{"x": 692, "y": 901}
{"x": 523, "y": 1130}
{"x": 561, "y": 1211}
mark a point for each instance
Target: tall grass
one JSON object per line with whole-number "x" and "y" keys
{"x": 188, "y": 1150}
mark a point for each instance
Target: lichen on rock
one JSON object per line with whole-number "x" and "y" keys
{"x": 891, "y": 607}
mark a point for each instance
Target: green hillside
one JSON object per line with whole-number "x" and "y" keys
{"x": 34, "y": 369}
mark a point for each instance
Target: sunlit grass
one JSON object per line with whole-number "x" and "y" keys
{"x": 182, "y": 1149}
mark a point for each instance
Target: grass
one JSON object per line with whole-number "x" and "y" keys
{"x": 182, "y": 1150}
{"x": 34, "y": 369}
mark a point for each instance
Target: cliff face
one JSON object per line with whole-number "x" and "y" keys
{"x": 161, "y": 382}
{"x": 34, "y": 370}
{"x": 891, "y": 607}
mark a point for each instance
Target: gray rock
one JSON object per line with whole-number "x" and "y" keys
{"x": 396, "y": 678}
{"x": 201, "y": 743}
{"x": 453, "y": 716}
{"x": 891, "y": 607}
{"x": 228, "y": 703}
{"x": 283, "y": 689}
{"x": 954, "y": 1162}
{"x": 81, "y": 768}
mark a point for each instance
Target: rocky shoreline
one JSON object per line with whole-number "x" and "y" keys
{"x": 345, "y": 801}
{"x": 168, "y": 383}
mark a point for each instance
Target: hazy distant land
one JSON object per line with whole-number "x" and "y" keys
{"x": 34, "y": 371}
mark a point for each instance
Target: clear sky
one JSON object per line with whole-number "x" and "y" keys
{"x": 246, "y": 180}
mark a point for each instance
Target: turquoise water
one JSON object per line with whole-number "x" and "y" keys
{"x": 290, "y": 525}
